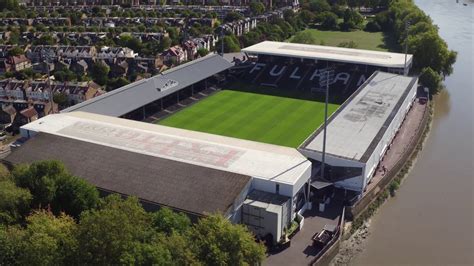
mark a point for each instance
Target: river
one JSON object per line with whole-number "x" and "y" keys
{"x": 430, "y": 221}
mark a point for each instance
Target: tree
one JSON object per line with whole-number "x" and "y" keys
{"x": 257, "y": 8}
{"x": 305, "y": 37}
{"x": 14, "y": 202}
{"x": 117, "y": 83}
{"x": 319, "y": 6}
{"x": 306, "y": 16}
{"x": 100, "y": 73}
{"x": 231, "y": 44}
{"x": 216, "y": 241}
{"x": 61, "y": 99}
{"x": 131, "y": 42}
{"x": 430, "y": 79}
{"x": 11, "y": 240}
{"x": 113, "y": 233}
{"x": 46, "y": 39}
{"x": 51, "y": 185}
{"x": 49, "y": 240}
{"x": 74, "y": 195}
{"x": 8, "y": 5}
{"x": 165, "y": 43}
{"x": 64, "y": 75}
{"x": 372, "y": 26}
{"x": 15, "y": 51}
{"x": 328, "y": 20}
{"x": 202, "y": 52}
{"x": 167, "y": 221}
{"x": 40, "y": 179}
{"x": 352, "y": 20}
{"x": 233, "y": 16}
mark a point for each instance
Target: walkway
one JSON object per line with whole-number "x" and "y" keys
{"x": 401, "y": 143}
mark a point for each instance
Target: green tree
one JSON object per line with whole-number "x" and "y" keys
{"x": 74, "y": 195}
{"x": 319, "y": 6}
{"x": 165, "y": 43}
{"x": 352, "y": 20}
{"x": 100, "y": 72}
{"x": 51, "y": 185}
{"x": 46, "y": 39}
{"x": 430, "y": 79}
{"x": 11, "y": 249}
{"x": 113, "y": 233}
{"x": 15, "y": 51}
{"x": 233, "y": 16}
{"x": 328, "y": 20}
{"x": 257, "y": 8}
{"x": 305, "y": 37}
{"x": 167, "y": 221}
{"x": 216, "y": 241}
{"x": 202, "y": 52}
{"x": 14, "y": 202}
{"x": 9, "y": 5}
{"x": 49, "y": 240}
{"x": 64, "y": 75}
{"x": 40, "y": 179}
{"x": 231, "y": 44}
{"x": 61, "y": 99}
{"x": 117, "y": 83}
{"x": 306, "y": 16}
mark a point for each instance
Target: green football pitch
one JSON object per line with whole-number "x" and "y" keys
{"x": 252, "y": 116}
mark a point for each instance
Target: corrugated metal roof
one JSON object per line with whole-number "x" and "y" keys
{"x": 135, "y": 95}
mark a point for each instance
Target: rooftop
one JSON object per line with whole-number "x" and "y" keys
{"x": 259, "y": 160}
{"x": 352, "y": 129}
{"x": 190, "y": 188}
{"x": 135, "y": 95}
{"x": 337, "y": 54}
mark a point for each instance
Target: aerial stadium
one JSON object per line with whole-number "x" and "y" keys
{"x": 241, "y": 137}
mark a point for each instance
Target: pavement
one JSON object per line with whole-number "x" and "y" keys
{"x": 400, "y": 143}
{"x": 302, "y": 251}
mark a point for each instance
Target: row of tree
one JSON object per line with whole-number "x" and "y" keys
{"x": 412, "y": 27}
{"x": 49, "y": 217}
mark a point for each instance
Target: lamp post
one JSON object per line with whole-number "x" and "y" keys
{"x": 405, "y": 70}
{"x": 329, "y": 77}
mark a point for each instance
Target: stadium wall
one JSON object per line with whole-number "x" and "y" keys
{"x": 378, "y": 153}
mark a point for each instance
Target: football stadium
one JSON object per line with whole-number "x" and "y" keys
{"x": 241, "y": 137}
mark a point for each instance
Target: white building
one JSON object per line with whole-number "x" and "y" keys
{"x": 280, "y": 171}
{"x": 361, "y": 130}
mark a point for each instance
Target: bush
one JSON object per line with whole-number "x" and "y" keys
{"x": 328, "y": 20}
{"x": 349, "y": 44}
{"x": 372, "y": 26}
{"x": 430, "y": 79}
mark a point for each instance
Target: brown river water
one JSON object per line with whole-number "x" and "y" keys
{"x": 430, "y": 221}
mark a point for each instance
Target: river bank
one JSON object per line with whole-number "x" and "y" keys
{"x": 359, "y": 230}
{"x": 435, "y": 202}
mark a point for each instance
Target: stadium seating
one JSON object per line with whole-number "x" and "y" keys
{"x": 307, "y": 76}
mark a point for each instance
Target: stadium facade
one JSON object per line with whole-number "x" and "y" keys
{"x": 264, "y": 186}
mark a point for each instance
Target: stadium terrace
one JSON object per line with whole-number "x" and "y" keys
{"x": 242, "y": 138}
